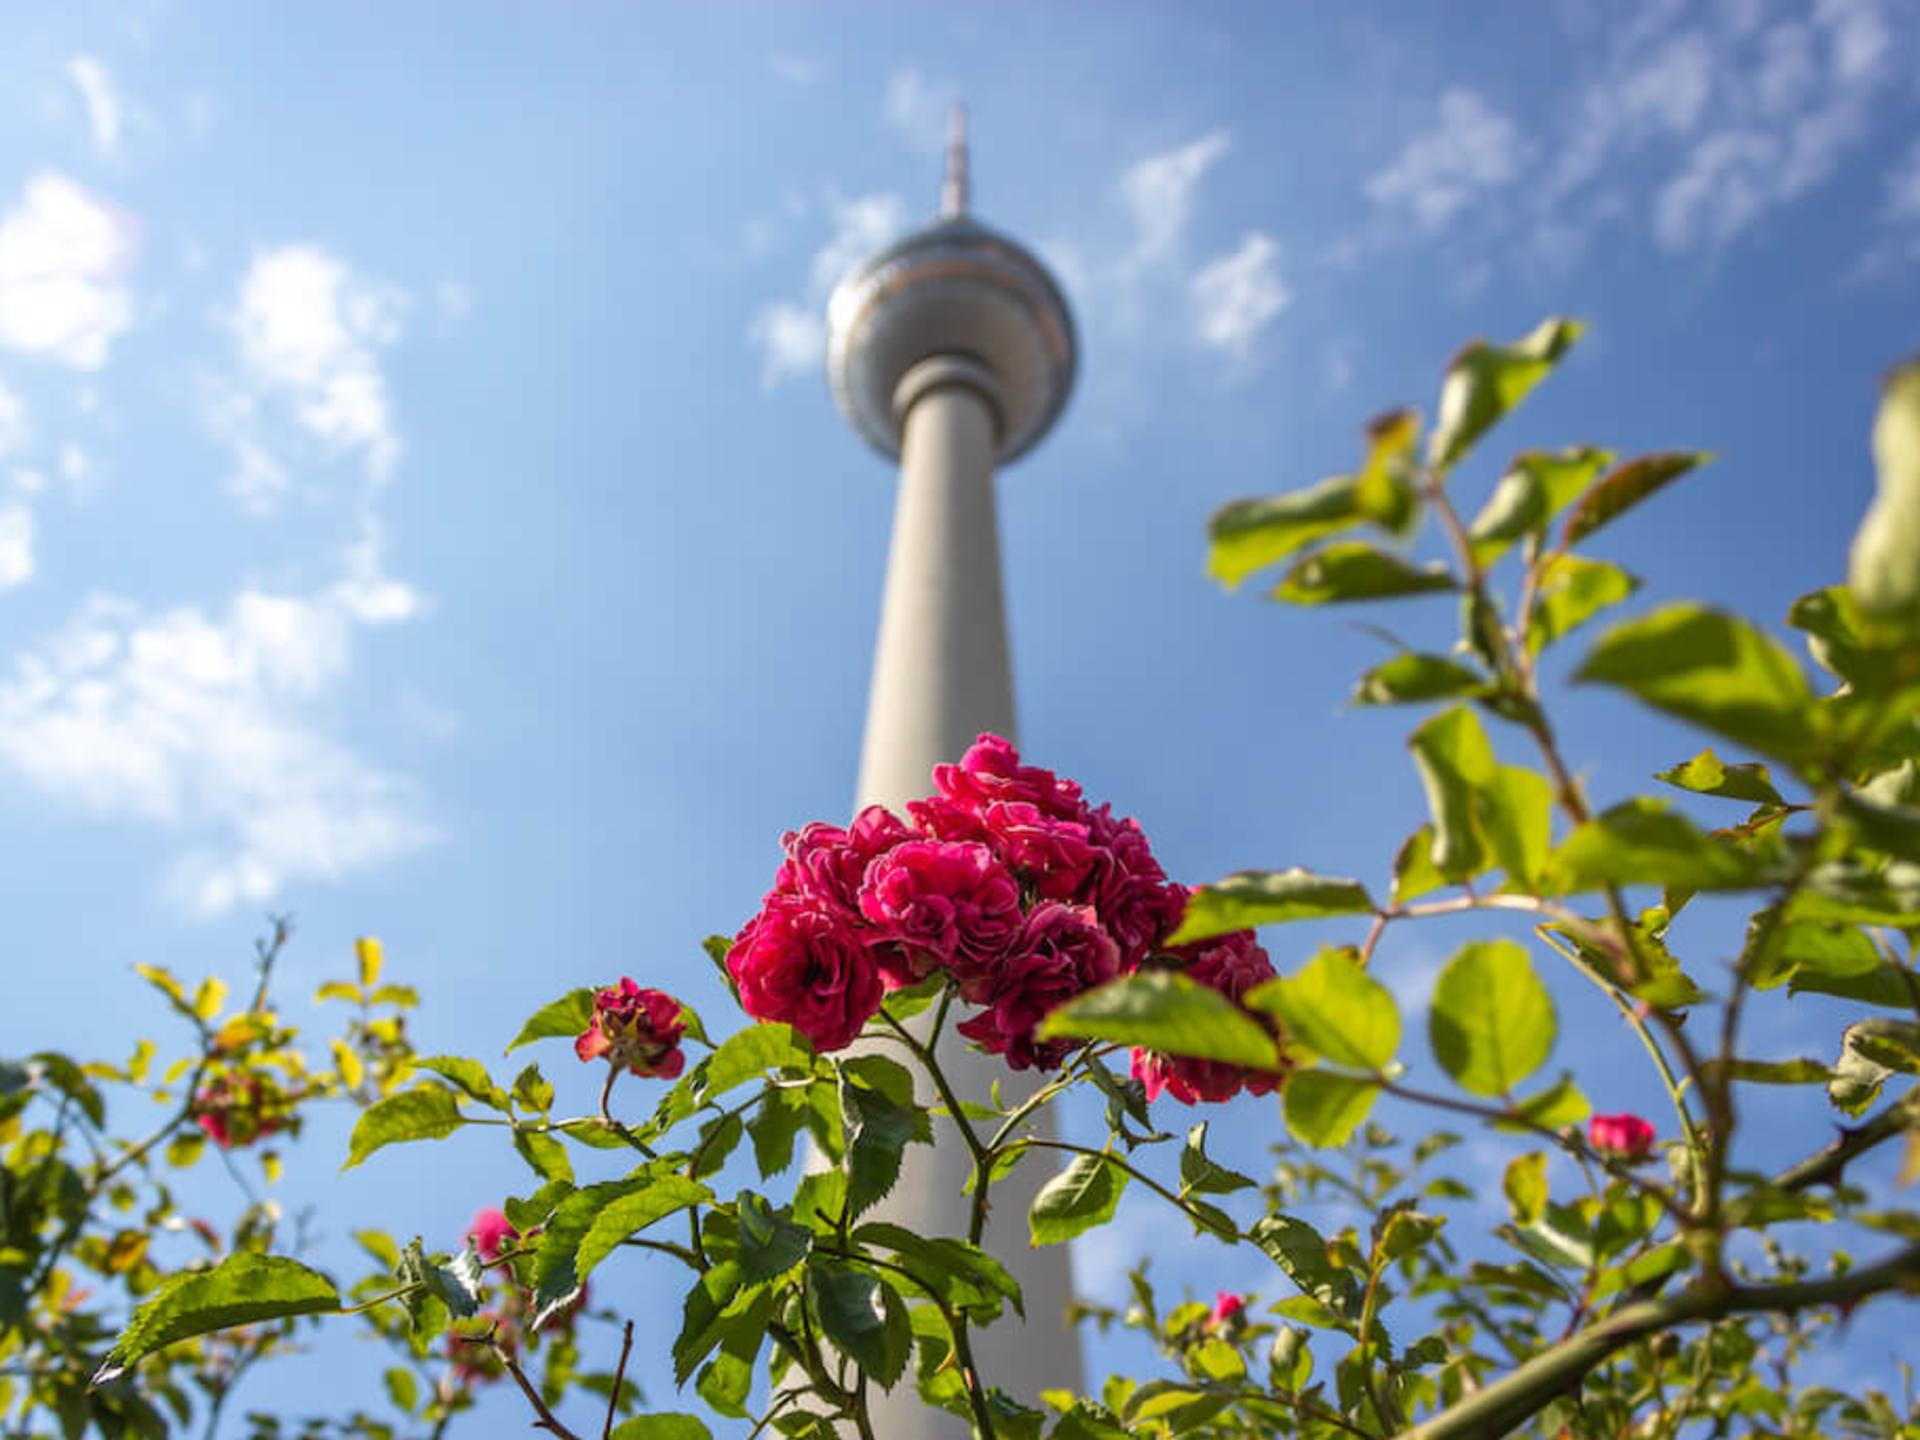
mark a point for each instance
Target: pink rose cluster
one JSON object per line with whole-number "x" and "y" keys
{"x": 1007, "y": 882}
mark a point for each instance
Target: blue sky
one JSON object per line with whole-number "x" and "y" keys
{"x": 421, "y": 509}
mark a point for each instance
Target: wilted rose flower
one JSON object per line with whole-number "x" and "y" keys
{"x": 491, "y": 1232}
{"x": 236, "y": 1108}
{"x": 1061, "y": 952}
{"x": 1229, "y": 1311}
{"x": 826, "y": 863}
{"x": 636, "y": 1029}
{"x": 1625, "y": 1136}
{"x": 943, "y": 904}
{"x": 1232, "y": 964}
{"x": 800, "y": 962}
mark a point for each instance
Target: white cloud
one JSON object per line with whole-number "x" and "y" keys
{"x": 1159, "y": 193}
{"x": 1903, "y": 188}
{"x": 917, "y": 108}
{"x": 796, "y": 69}
{"x": 202, "y": 724}
{"x": 791, "y": 334}
{"x": 64, "y": 256}
{"x": 1474, "y": 149}
{"x": 16, "y": 544}
{"x": 307, "y": 334}
{"x": 14, "y": 428}
{"x": 1237, "y": 295}
{"x": 90, "y": 78}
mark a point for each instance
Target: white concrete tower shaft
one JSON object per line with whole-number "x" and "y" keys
{"x": 953, "y": 351}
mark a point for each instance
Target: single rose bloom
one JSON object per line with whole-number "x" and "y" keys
{"x": 800, "y": 962}
{"x": 827, "y": 863}
{"x": 942, "y": 904}
{"x": 1061, "y": 953}
{"x": 1231, "y": 964}
{"x": 991, "y": 773}
{"x": 1229, "y": 1310}
{"x": 491, "y": 1232}
{"x": 1125, "y": 884}
{"x": 1624, "y": 1136}
{"x": 636, "y": 1029}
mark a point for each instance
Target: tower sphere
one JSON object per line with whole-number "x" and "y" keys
{"x": 955, "y": 288}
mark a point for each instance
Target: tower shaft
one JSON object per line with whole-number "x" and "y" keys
{"x": 941, "y": 676}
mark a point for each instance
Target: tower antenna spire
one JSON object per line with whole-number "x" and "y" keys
{"x": 955, "y": 192}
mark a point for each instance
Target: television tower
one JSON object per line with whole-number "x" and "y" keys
{"x": 953, "y": 353}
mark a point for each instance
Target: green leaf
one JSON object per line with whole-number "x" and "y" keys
{"x": 1792, "y": 948}
{"x": 1334, "y": 1009}
{"x": 1267, "y": 897}
{"x": 429, "y": 1113}
{"x": 1414, "y": 873}
{"x": 470, "y": 1076}
{"x": 457, "y": 1286}
{"x": 589, "y": 1225}
{"x": 964, "y": 1276}
{"x": 1412, "y": 679}
{"x": 1515, "y": 814}
{"x": 667, "y": 1425}
{"x": 751, "y": 1054}
{"x": 1571, "y": 590}
{"x": 1886, "y": 984}
{"x": 1249, "y": 535}
{"x": 877, "y": 1130}
{"x": 1839, "y": 639}
{"x": 774, "y": 1127}
{"x": 1454, "y": 759}
{"x": 1559, "y": 1105}
{"x": 1323, "y": 1109}
{"x": 243, "y": 1289}
{"x": 1492, "y": 1022}
{"x": 570, "y": 1015}
{"x": 1525, "y": 1185}
{"x": 1201, "y": 1174}
{"x": 1625, "y": 486}
{"x": 1079, "y": 1198}
{"x": 1643, "y": 842}
{"x": 1164, "y": 1011}
{"x": 1772, "y": 1072}
{"x": 1354, "y": 570}
{"x": 1713, "y": 670}
{"x": 1884, "y": 569}
{"x": 770, "y": 1243}
{"x": 1538, "y": 485}
{"x": 1484, "y": 382}
{"x": 1383, "y": 487}
{"x": 1301, "y": 1253}
{"x": 1708, "y": 774}
{"x": 864, "y": 1317}
{"x": 715, "y": 1296}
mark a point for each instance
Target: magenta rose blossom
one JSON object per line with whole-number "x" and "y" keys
{"x": 1229, "y": 1310}
{"x": 637, "y": 1030}
{"x": 1232, "y": 964}
{"x": 1624, "y": 1136}
{"x": 491, "y": 1232}
{"x": 825, "y": 862}
{"x": 991, "y": 773}
{"x": 1129, "y": 889}
{"x": 800, "y": 962}
{"x": 943, "y": 904}
{"x": 1061, "y": 952}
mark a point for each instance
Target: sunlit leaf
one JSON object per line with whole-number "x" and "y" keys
{"x": 1080, "y": 1197}
{"x": 429, "y": 1113}
{"x": 243, "y": 1289}
{"x": 1454, "y": 760}
{"x": 1571, "y": 590}
{"x": 1492, "y": 1022}
{"x": 1708, "y": 774}
{"x": 1625, "y": 486}
{"x": 1249, "y": 535}
{"x": 1536, "y": 487}
{"x": 1484, "y": 382}
{"x": 1334, "y": 1009}
{"x": 1355, "y": 570}
{"x": 1267, "y": 897}
{"x": 1164, "y": 1011}
{"x": 1412, "y": 678}
{"x": 1323, "y": 1109}
{"x": 1884, "y": 569}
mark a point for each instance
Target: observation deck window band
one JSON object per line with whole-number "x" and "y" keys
{"x": 941, "y": 372}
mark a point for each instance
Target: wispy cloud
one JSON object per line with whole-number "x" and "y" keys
{"x": 1471, "y": 149}
{"x": 65, "y": 254}
{"x": 917, "y": 108}
{"x": 1236, "y": 296}
{"x": 1159, "y": 192}
{"x": 16, "y": 543}
{"x": 307, "y": 334}
{"x": 796, "y": 69}
{"x": 90, "y": 78}
{"x": 791, "y": 334}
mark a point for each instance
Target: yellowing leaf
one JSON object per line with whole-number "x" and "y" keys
{"x": 367, "y": 950}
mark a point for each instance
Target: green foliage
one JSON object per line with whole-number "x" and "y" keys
{"x": 1164, "y": 1011}
{"x": 1335, "y": 1010}
{"x": 1267, "y": 897}
{"x": 1492, "y": 1021}
{"x": 242, "y": 1289}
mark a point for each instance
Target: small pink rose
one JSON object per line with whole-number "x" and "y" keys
{"x": 1625, "y": 1136}
{"x": 491, "y": 1232}
{"x": 636, "y": 1029}
{"x": 1229, "y": 1310}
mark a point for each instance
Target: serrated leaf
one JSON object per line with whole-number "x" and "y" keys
{"x": 1625, "y": 486}
{"x": 877, "y": 1130}
{"x": 1713, "y": 670}
{"x": 1334, "y": 1009}
{"x": 243, "y": 1289}
{"x": 963, "y": 1275}
{"x": 751, "y": 1054}
{"x": 429, "y": 1113}
{"x": 1079, "y": 1198}
{"x": 1164, "y": 1011}
{"x": 570, "y": 1016}
{"x": 1323, "y": 1109}
{"x": 1301, "y": 1253}
{"x": 1249, "y": 535}
{"x": 470, "y": 1076}
{"x": 1350, "y": 570}
{"x": 1484, "y": 382}
{"x": 1491, "y": 1022}
{"x": 864, "y": 1317}
{"x": 1707, "y": 774}
{"x": 589, "y": 1224}
{"x": 1267, "y": 897}
{"x": 1201, "y": 1174}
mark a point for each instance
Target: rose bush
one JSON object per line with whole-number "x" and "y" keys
{"x": 1642, "y": 1279}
